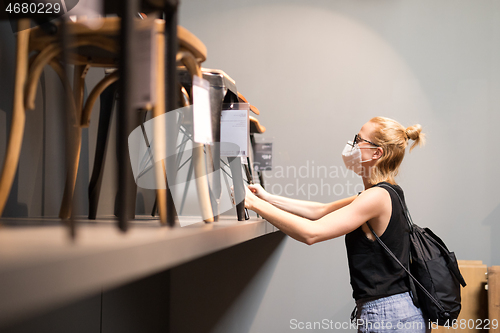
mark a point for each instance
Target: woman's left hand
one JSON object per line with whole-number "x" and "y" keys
{"x": 250, "y": 199}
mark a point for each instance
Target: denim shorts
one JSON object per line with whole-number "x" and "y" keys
{"x": 395, "y": 313}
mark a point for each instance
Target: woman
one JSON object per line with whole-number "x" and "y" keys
{"x": 380, "y": 286}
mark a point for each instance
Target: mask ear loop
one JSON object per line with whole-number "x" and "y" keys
{"x": 367, "y": 160}
{"x": 368, "y": 148}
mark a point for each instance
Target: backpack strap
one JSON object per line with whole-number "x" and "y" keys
{"x": 403, "y": 204}
{"x": 410, "y": 223}
{"x": 435, "y": 239}
{"x": 436, "y": 302}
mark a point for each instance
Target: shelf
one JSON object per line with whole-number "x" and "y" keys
{"x": 41, "y": 268}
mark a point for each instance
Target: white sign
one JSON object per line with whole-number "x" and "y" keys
{"x": 202, "y": 116}
{"x": 234, "y": 128}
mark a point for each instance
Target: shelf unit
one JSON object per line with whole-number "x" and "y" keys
{"x": 41, "y": 268}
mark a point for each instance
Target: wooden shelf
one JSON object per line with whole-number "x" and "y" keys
{"x": 41, "y": 268}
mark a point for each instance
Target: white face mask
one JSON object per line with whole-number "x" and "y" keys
{"x": 352, "y": 158}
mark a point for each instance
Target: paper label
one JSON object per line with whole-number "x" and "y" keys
{"x": 234, "y": 128}
{"x": 202, "y": 117}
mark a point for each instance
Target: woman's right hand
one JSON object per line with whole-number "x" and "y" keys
{"x": 259, "y": 191}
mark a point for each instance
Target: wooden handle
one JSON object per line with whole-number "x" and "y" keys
{"x": 49, "y": 53}
{"x": 159, "y": 133}
{"x": 96, "y": 92}
{"x": 192, "y": 44}
{"x": 253, "y": 108}
{"x": 255, "y": 126}
{"x": 73, "y": 142}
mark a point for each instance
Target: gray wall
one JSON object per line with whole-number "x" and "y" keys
{"x": 318, "y": 70}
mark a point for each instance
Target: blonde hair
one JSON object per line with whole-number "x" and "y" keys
{"x": 393, "y": 138}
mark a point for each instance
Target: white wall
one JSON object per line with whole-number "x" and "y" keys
{"x": 318, "y": 70}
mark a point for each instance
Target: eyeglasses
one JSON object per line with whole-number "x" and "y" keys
{"x": 357, "y": 139}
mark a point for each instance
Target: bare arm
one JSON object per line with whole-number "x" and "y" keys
{"x": 337, "y": 223}
{"x": 308, "y": 209}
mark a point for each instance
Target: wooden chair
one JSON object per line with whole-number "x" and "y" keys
{"x": 222, "y": 88}
{"x": 188, "y": 43}
{"x": 88, "y": 48}
{"x": 223, "y": 91}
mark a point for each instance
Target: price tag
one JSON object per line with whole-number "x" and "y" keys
{"x": 263, "y": 156}
{"x": 234, "y": 128}
{"x": 202, "y": 117}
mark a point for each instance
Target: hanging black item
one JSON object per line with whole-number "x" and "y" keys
{"x": 126, "y": 195}
{"x": 170, "y": 8}
{"x": 236, "y": 171}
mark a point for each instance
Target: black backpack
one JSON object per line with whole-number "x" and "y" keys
{"x": 434, "y": 269}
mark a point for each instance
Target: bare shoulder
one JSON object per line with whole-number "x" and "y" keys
{"x": 375, "y": 192}
{"x": 374, "y": 198}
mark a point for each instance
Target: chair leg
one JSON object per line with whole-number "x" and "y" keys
{"x": 35, "y": 71}
{"x": 96, "y": 92}
{"x": 159, "y": 134}
{"x": 210, "y": 162}
{"x": 107, "y": 101}
{"x": 74, "y": 142}
{"x": 135, "y": 119}
{"x": 202, "y": 182}
{"x": 200, "y": 169}
{"x": 239, "y": 188}
{"x": 18, "y": 114}
{"x": 186, "y": 187}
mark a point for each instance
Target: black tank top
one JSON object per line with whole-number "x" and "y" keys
{"x": 373, "y": 272}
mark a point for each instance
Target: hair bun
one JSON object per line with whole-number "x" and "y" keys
{"x": 415, "y": 133}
